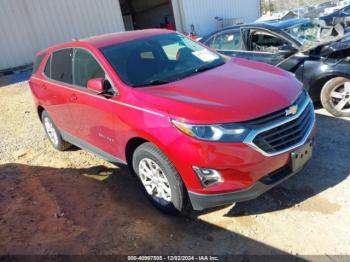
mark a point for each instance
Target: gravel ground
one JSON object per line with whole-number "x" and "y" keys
{"x": 75, "y": 203}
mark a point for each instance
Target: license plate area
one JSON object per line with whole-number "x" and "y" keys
{"x": 301, "y": 156}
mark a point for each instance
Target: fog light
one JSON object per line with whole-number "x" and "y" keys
{"x": 208, "y": 177}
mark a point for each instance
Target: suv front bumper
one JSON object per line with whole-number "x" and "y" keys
{"x": 204, "y": 201}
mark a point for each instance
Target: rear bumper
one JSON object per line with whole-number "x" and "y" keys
{"x": 205, "y": 201}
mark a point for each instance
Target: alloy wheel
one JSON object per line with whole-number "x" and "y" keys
{"x": 340, "y": 97}
{"x": 51, "y": 131}
{"x": 155, "y": 181}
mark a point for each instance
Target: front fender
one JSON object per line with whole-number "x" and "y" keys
{"x": 317, "y": 74}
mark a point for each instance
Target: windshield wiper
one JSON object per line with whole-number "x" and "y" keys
{"x": 152, "y": 83}
{"x": 201, "y": 69}
{"x": 204, "y": 68}
{"x": 196, "y": 70}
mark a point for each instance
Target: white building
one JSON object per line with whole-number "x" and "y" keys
{"x": 281, "y": 15}
{"x": 27, "y": 26}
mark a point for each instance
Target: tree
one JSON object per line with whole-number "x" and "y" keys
{"x": 267, "y": 6}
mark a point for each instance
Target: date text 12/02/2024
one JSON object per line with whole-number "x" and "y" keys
{"x": 173, "y": 258}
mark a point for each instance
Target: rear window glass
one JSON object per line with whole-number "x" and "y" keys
{"x": 37, "y": 63}
{"x": 228, "y": 41}
{"x": 61, "y": 65}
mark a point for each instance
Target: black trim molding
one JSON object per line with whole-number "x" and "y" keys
{"x": 90, "y": 148}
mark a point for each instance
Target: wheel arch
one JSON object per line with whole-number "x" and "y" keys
{"x": 317, "y": 85}
{"x": 131, "y": 146}
{"x": 136, "y": 141}
{"x": 40, "y": 110}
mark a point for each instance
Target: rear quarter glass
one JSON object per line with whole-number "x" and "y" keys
{"x": 38, "y": 62}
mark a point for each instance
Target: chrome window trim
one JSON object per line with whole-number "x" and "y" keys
{"x": 255, "y": 132}
{"x": 73, "y": 55}
{"x": 49, "y": 59}
{"x": 98, "y": 96}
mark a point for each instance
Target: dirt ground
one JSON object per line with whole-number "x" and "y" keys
{"x": 75, "y": 203}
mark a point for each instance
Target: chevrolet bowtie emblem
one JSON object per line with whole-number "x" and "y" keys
{"x": 292, "y": 110}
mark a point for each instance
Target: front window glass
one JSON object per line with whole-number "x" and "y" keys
{"x": 85, "y": 68}
{"x": 265, "y": 42}
{"x": 159, "y": 59}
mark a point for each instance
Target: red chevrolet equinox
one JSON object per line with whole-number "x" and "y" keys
{"x": 193, "y": 125}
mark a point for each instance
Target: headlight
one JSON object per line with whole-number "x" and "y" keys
{"x": 219, "y": 133}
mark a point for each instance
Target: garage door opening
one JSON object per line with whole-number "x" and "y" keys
{"x": 143, "y": 14}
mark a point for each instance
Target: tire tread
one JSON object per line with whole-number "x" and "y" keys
{"x": 181, "y": 194}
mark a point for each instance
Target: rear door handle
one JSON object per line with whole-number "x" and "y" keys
{"x": 43, "y": 86}
{"x": 73, "y": 98}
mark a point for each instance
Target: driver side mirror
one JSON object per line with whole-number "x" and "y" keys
{"x": 97, "y": 85}
{"x": 101, "y": 86}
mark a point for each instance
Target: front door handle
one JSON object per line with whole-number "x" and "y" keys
{"x": 73, "y": 98}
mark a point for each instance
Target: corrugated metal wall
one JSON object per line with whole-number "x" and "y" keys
{"x": 27, "y": 26}
{"x": 201, "y": 13}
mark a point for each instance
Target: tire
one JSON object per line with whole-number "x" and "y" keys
{"x": 148, "y": 155}
{"x": 333, "y": 93}
{"x": 53, "y": 134}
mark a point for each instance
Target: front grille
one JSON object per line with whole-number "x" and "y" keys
{"x": 276, "y": 116}
{"x": 286, "y": 135}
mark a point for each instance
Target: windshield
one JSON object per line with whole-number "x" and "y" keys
{"x": 310, "y": 32}
{"x": 159, "y": 59}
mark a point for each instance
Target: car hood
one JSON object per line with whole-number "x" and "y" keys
{"x": 237, "y": 91}
{"x": 339, "y": 45}
{"x": 329, "y": 46}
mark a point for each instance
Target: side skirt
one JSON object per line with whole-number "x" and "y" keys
{"x": 92, "y": 149}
